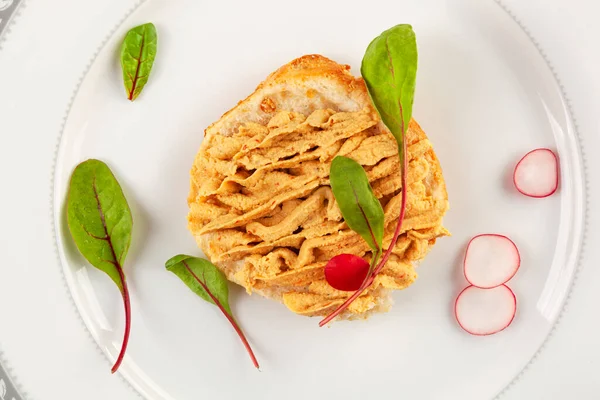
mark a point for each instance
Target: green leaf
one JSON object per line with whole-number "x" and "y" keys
{"x": 100, "y": 223}
{"x": 389, "y": 68}
{"x": 360, "y": 208}
{"x": 99, "y": 218}
{"x": 204, "y": 270}
{"x": 208, "y": 282}
{"x": 137, "y": 57}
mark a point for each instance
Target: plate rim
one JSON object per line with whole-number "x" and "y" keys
{"x": 585, "y": 211}
{"x": 53, "y": 226}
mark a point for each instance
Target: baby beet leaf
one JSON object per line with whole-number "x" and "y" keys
{"x": 359, "y": 206}
{"x": 208, "y": 282}
{"x": 211, "y": 276}
{"x": 389, "y": 68}
{"x": 100, "y": 223}
{"x": 137, "y": 57}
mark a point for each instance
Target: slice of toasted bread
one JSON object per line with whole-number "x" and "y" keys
{"x": 271, "y": 223}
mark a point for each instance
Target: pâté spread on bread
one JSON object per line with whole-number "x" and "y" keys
{"x": 261, "y": 205}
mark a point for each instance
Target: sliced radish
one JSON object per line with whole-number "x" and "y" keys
{"x": 485, "y": 311}
{"x": 536, "y": 175}
{"x": 346, "y": 272}
{"x": 491, "y": 260}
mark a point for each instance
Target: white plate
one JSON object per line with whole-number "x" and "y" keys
{"x": 484, "y": 96}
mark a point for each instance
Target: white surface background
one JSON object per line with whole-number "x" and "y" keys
{"x": 567, "y": 368}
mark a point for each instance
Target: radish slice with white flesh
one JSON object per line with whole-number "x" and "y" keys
{"x": 484, "y": 312}
{"x": 491, "y": 260}
{"x": 536, "y": 175}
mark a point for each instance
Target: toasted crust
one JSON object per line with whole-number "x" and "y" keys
{"x": 306, "y": 84}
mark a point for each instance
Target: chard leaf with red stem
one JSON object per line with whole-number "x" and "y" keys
{"x": 389, "y": 68}
{"x": 100, "y": 223}
{"x": 208, "y": 282}
{"x": 137, "y": 57}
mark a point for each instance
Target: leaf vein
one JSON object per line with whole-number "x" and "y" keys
{"x": 364, "y": 214}
{"x": 390, "y": 61}
{"x": 91, "y": 234}
{"x": 137, "y": 69}
{"x": 108, "y": 237}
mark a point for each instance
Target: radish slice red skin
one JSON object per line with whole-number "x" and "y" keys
{"x": 346, "y": 272}
{"x": 543, "y": 194}
{"x": 511, "y": 296}
{"x": 508, "y": 277}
